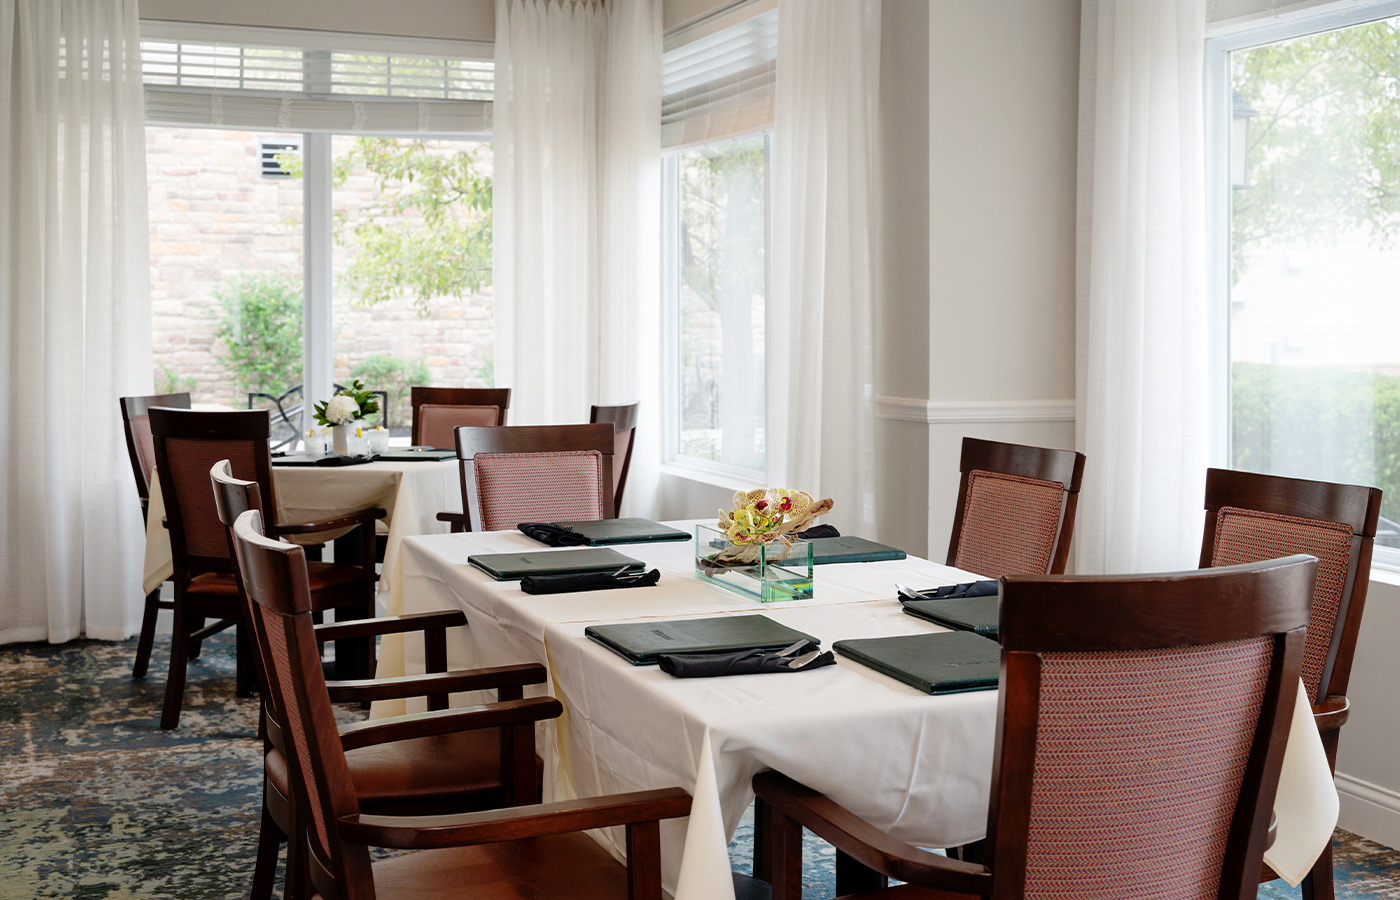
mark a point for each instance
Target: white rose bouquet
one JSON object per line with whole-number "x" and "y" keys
{"x": 347, "y": 406}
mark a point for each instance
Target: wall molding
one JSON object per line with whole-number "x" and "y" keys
{"x": 962, "y": 412}
{"x": 1370, "y": 810}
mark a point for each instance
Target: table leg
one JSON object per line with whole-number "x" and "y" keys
{"x": 354, "y": 657}
{"x": 852, "y": 877}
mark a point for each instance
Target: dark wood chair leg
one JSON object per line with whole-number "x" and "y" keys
{"x": 762, "y": 833}
{"x": 1317, "y": 884}
{"x": 265, "y": 868}
{"x": 785, "y": 857}
{"x": 244, "y": 678}
{"x": 196, "y": 645}
{"x": 852, "y": 876}
{"x": 148, "y": 635}
{"x": 179, "y": 659}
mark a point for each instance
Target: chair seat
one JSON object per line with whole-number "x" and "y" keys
{"x": 326, "y": 576}
{"x": 561, "y": 867}
{"x": 422, "y": 776}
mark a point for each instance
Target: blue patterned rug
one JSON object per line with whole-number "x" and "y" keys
{"x": 97, "y": 803}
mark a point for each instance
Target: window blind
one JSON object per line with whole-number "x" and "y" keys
{"x": 720, "y": 85}
{"x": 267, "y": 81}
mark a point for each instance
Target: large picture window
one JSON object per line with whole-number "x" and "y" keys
{"x": 1311, "y": 279}
{"x": 717, "y": 278}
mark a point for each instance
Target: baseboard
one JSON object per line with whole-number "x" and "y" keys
{"x": 1369, "y": 810}
{"x": 962, "y": 412}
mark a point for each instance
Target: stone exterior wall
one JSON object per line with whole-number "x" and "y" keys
{"x": 214, "y": 215}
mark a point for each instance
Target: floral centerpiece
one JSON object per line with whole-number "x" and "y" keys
{"x": 764, "y": 517}
{"x": 344, "y": 410}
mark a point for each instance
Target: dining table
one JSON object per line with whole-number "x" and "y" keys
{"x": 912, "y": 764}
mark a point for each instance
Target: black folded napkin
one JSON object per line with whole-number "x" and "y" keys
{"x": 818, "y": 531}
{"x": 738, "y": 662}
{"x": 552, "y": 535}
{"x": 589, "y": 581}
{"x": 987, "y": 588}
{"x": 333, "y": 461}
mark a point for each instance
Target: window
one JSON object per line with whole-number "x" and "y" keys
{"x": 717, "y": 85}
{"x": 717, "y": 196}
{"x": 318, "y": 214}
{"x": 1307, "y": 187}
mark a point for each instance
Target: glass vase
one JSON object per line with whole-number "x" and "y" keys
{"x": 764, "y": 572}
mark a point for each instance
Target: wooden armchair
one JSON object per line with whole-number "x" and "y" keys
{"x": 624, "y": 422}
{"x": 186, "y": 444}
{"x": 1016, "y": 506}
{"x": 1141, "y": 729}
{"x": 1250, "y": 517}
{"x": 136, "y": 422}
{"x": 444, "y": 773}
{"x": 533, "y": 473}
{"x": 535, "y": 851}
{"x": 437, "y": 411}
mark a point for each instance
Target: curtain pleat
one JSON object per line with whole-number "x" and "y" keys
{"x": 1142, "y": 311}
{"x": 74, "y": 289}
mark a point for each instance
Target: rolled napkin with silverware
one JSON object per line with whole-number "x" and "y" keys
{"x": 986, "y": 588}
{"x": 799, "y": 657}
{"x": 553, "y": 535}
{"x": 588, "y": 581}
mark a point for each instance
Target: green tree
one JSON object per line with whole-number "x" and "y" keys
{"x": 260, "y": 326}
{"x": 428, "y": 233}
{"x": 1323, "y": 155}
{"x": 394, "y": 376}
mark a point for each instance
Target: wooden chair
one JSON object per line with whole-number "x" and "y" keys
{"x": 624, "y": 422}
{"x": 437, "y": 411}
{"x": 1141, "y": 729}
{"x": 443, "y": 773}
{"x": 530, "y": 851}
{"x": 1250, "y": 517}
{"x": 137, "y": 425}
{"x": 533, "y": 473}
{"x": 1016, "y": 506}
{"x": 186, "y": 444}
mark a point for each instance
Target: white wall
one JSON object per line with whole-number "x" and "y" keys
{"x": 1003, "y": 119}
{"x": 1368, "y": 754}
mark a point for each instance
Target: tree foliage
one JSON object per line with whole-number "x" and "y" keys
{"x": 427, "y": 234}
{"x": 260, "y": 327}
{"x": 1323, "y": 155}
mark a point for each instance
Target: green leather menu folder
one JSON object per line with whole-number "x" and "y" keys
{"x": 977, "y": 614}
{"x": 624, "y": 531}
{"x": 950, "y": 662}
{"x": 416, "y": 454}
{"x": 513, "y": 566}
{"x": 640, "y": 643}
{"x": 849, "y": 549}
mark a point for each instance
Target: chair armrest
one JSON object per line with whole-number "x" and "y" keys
{"x": 513, "y": 823}
{"x": 460, "y": 521}
{"x": 435, "y": 683}
{"x": 359, "y": 517}
{"x": 1332, "y": 713}
{"x": 864, "y": 842}
{"x": 353, "y": 628}
{"x": 448, "y": 721}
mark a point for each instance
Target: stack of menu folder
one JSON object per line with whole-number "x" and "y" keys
{"x": 640, "y": 643}
{"x": 950, "y": 662}
{"x": 513, "y": 566}
{"x": 623, "y": 531}
{"x": 417, "y": 454}
{"x": 980, "y": 615}
{"x": 850, "y": 549}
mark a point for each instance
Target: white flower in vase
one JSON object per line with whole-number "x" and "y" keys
{"x": 342, "y": 410}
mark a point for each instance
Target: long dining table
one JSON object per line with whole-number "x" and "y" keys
{"x": 914, "y": 765}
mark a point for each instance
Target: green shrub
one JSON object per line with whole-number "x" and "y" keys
{"x": 386, "y": 372}
{"x": 1326, "y": 424}
{"x": 168, "y": 381}
{"x": 260, "y": 325}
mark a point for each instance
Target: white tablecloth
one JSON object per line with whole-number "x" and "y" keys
{"x": 412, "y": 493}
{"x": 916, "y": 766}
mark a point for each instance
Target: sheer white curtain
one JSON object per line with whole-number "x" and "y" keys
{"x": 821, "y": 310}
{"x": 577, "y": 132}
{"x": 1142, "y": 317}
{"x": 75, "y": 299}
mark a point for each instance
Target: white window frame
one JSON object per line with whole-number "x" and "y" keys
{"x": 703, "y": 469}
{"x": 1218, "y": 111}
{"x": 318, "y": 284}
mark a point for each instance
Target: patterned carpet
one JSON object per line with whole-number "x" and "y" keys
{"x": 96, "y": 802}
